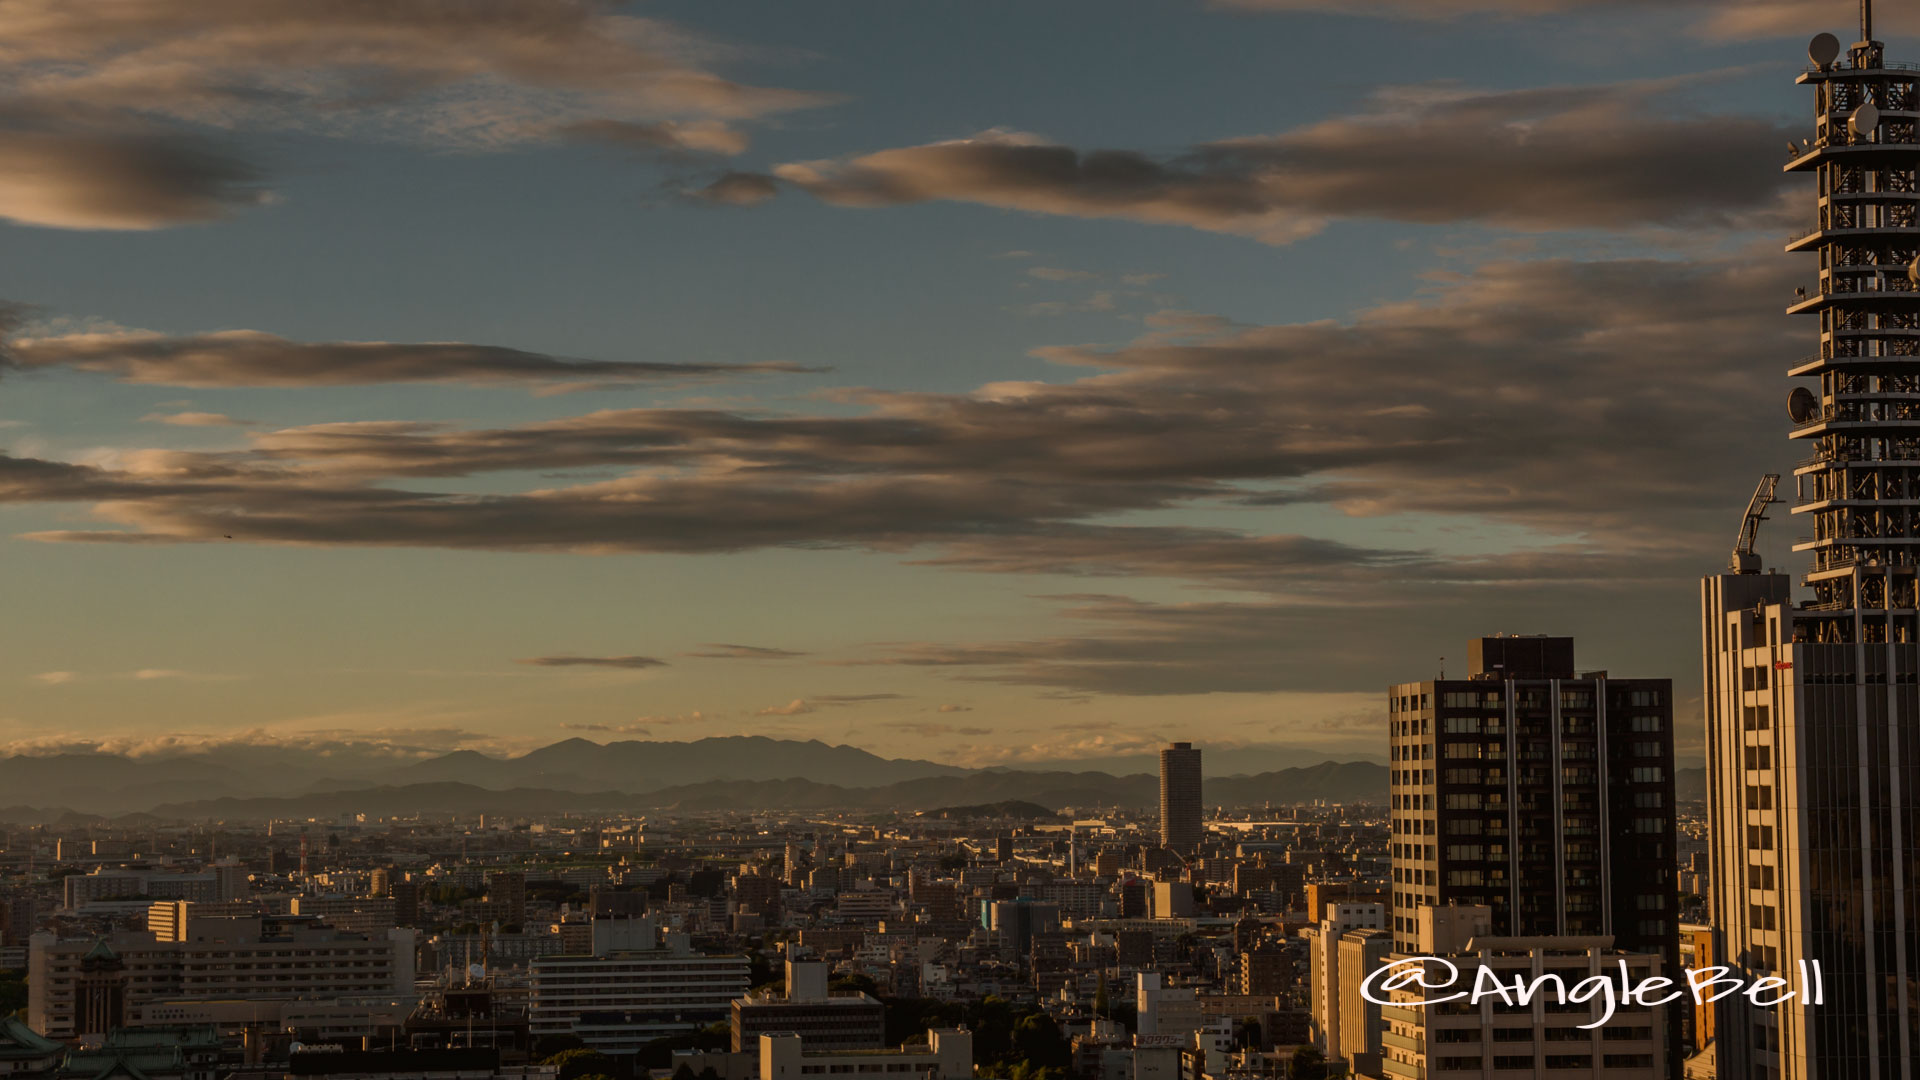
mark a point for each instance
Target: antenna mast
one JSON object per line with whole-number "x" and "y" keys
{"x": 1866, "y": 20}
{"x": 1745, "y": 560}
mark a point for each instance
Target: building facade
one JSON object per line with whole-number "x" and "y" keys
{"x": 1181, "y": 823}
{"x": 1542, "y": 1036}
{"x": 90, "y": 986}
{"x": 633, "y": 989}
{"x": 1542, "y": 793}
{"x": 1812, "y": 706}
{"x": 824, "y": 1019}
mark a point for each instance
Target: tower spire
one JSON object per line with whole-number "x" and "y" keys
{"x": 1866, "y": 20}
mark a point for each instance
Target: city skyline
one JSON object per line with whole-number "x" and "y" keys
{"x": 884, "y": 384}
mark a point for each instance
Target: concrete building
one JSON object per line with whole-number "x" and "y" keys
{"x": 1542, "y": 793}
{"x": 89, "y": 987}
{"x": 1162, "y": 1010}
{"x": 1172, "y": 900}
{"x": 1542, "y": 1038}
{"x": 1181, "y": 824}
{"x": 1356, "y": 1026}
{"x": 360, "y": 914}
{"x": 635, "y": 987}
{"x": 824, "y": 1019}
{"x": 105, "y": 884}
{"x": 946, "y": 1055}
{"x": 1327, "y": 995}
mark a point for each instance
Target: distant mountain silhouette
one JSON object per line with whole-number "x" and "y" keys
{"x": 1086, "y": 792}
{"x": 725, "y": 772}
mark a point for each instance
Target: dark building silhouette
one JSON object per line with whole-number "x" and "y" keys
{"x": 1181, "y": 826}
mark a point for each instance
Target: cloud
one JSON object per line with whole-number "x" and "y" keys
{"x": 55, "y": 678}
{"x": 1589, "y": 429}
{"x": 927, "y": 730}
{"x": 796, "y": 707}
{"x": 666, "y": 135}
{"x": 1055, "y": 273}
{"x": 99, "y": 110}
{"x": 176, "y": 675}
{"x": 1569, "y": 157}
{"x": 1715, "y": 18}
{"x": 329, "y": 742}
{"x": 235, "y": 358}
{"x": 627, "y": 663}
{"x": 84, "y": 178}
{"x": 803, "y": 706}
{"x": 1413, "y": 407}
{"x": 739, "y": 189}
{"x": 613, "y": 729}
{"x": 718, "y": 651}
{"x": 853, "y": 699}
{"x": 470, "y": 74}
{"x": 955, "y": 708}
{"x": 194, "y": 419}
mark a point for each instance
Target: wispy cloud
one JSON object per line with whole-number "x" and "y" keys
{"x": 234, "y": 358}
{"x": 628, "y": 663}
{"x": 1562, "y": 157}
{"x": 721, "y": 651}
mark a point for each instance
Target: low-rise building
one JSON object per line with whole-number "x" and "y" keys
{"x": 946, "y": 1055}
{"x": 824, "y": 1019}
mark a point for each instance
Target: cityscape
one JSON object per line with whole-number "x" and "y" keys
{"x": 823, "y": 699}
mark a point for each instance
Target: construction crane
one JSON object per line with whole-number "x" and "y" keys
{"x": 1745, "y": 561}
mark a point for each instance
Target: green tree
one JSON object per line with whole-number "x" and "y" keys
{"x": 1308, "y": 1064}
{"x": 578, "y": 1064}
{"x": 548, "y": 1045}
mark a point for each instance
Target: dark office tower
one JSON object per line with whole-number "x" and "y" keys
{"x": 406, "y": 899}
{"x": 1545, "y": 795}
{"x": 507, "y": 891}
{"x": 1813, "y": 727}
{"x": 1180, "y": 822}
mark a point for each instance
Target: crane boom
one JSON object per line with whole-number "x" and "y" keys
{"x": 1744, "y": 560}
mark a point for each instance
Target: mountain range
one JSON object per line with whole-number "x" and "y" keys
{"x": 576, "y": 774}
{"x": 718, "y": 773}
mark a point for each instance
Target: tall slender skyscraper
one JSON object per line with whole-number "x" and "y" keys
{"x": 1180, "y": 820}
{"x": 1813, "y": 718}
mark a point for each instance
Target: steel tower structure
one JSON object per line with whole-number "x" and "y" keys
{"x": 1813, "y": 707}
{"x": 1861, "y": 484}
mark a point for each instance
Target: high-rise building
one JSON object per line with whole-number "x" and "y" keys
{"x": 1328, "y": 1016}
{"x": 1812, "y": 707}
{"x": 1180, "y": 819}
{"x": 1545, "y": 794}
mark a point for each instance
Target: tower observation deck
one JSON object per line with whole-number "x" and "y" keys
{"x": 1861, "y": 483}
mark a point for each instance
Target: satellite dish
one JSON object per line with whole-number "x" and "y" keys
{"x": 1801, "y": 405}
{"x": 1913, "y": 271}
{"x": 1864, "y": 120}
{"x": 1823, "y": 50}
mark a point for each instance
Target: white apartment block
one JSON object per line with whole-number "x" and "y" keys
{"x": 89, "y": 986}
{"x": 633, "y": 988}
{"x": 1540, "y": 1040}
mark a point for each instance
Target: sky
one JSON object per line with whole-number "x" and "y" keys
{"x": 991, "y": 382}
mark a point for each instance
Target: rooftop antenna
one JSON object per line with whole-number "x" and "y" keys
{"x": 1745, "y": 560}
{"x": 1866, "y": 20}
